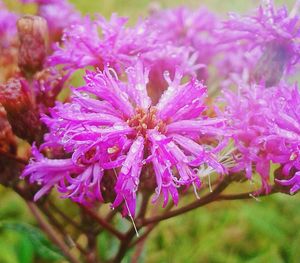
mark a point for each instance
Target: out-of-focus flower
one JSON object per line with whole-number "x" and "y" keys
{"x": 266, "y": 127}
{"x": 8, "y": 43}
{"x": 60, "y": 14}
{"x": 117, "y": 132}
{"x": 284, "y": 133}
{"x": 275, "y": 32}
{"x": 8, "y": 28}
{"x": 191, "y": 29}
{"x": 235, "y": 65}
{"x": 246, "y": 111}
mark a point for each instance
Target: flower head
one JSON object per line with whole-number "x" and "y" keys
{"x": 190, "y": 29}
{"x": 275, "y": 32}
{"x": 59, "y": 15}
{"x": 266, "y": 127}
{"x": 117, "y": 137}
{"x": 247, "y": 110}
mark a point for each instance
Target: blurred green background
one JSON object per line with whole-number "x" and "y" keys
{"x": 237, "y": 231}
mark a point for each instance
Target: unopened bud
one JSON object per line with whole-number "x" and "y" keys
{"x": 21, "y": 111}
{"x": 47, "y": 85}
{"x": 33, "y": 37}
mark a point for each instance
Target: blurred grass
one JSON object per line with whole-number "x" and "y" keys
{"x": 237, "y": 231}
{"x": 137, "y": 8}
{"x": 240, "y": 231}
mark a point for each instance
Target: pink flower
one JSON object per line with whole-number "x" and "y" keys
{"x": 275, "y": 32}
{"x": 285, "y": 133}
{"x": 118, "y": 137}
{"x": 195, "y": 30}
{"x": 247, "y": 110}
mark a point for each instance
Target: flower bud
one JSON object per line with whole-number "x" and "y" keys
{"x": 21, "y": 111}
{"x": 33, "y": 35}
{"x": 47, "y": 85}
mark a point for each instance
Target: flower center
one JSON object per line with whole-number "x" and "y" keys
{"x": 146, "y": 120}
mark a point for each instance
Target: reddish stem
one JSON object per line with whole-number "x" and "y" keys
{"x": 198, "y": 203}
{"x": 102, "y": 222}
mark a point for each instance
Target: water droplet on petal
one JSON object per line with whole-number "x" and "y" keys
{"x": 140, "y": 87}
{"x": 118, "y": 126}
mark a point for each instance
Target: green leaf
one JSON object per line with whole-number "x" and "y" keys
{"x": 42, "y": 246}
{"x": 25, "y": 250}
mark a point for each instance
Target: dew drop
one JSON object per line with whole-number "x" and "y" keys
{"x": 166, "y": 74}
{"x": 118, "y": 126}
{"x": 85, "y": 95}
{"x": 140, "y": 87}
{"x": 124, "y": 95}
{"x": 171, "y": 145}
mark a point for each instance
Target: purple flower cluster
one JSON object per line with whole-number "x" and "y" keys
{"x": 143, "y": 121}
{"x": 264, "y": 116}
